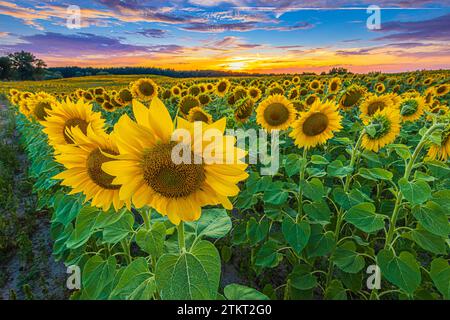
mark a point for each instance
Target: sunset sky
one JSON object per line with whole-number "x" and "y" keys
{"x": 237, "y": 35}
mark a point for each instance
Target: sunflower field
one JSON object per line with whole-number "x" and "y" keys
{"x": 358, "y": 209}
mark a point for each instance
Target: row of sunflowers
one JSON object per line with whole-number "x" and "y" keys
{"x": 363, "y": 185}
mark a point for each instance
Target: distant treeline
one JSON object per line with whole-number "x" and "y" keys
{"x": 22, "y": 66}
{"x": 69, "y": 72}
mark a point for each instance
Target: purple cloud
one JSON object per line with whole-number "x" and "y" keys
{"x": 432, "y": 29}
{"x": 219, "y": 27}
{"x": 282, "y": 6}
{"x": 83, "y": 44}
{"x": 396, "y": 46}
{"x": 153, "y": 33}
{"x": 292, "y": 4}
{"x": 298, "y": 26}
{"x": 243, "y": 26}
{"x": 231, "y": 42}
{"x": 351, "y": 40}
{"x": 148, "y": 10}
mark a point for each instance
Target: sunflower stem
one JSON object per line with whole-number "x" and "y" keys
{"x": 303, "y": 164}
{"x": 126, "y": 250}
{"x": 408, "y": 169}
{"x": 374, "y": 295}
{"x": 146, "y": 216}
{"x": 181, "y": 240}
{"x": 175, "y": 120}
{"x": 353, "y": 160}
{"x": 340, "y": 213}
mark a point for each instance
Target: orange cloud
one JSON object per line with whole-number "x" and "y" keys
{"x": 272, "y": 60}
{"x": 31, "y": 16}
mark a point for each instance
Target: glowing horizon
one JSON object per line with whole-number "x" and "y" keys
{"x": 238, "y": 35}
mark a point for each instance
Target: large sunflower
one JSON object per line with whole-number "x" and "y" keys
{"x": 99, "y": 91}
{"x": 352, "y": 96}
{"x": 88, "y": 96}
{"x": 83, "y": 161}
{"x": 429, "y": 96}
{"x": 13, "y": 92}
{"x": 373, "y": 103}
{"x": 317, "y": 125}
{"x": 124, "y": 96}
{"x": 209, "y": 87}
{"x": 149, "y": 176}
{"x": 294, "y": 93}
{"x": 395, "y": 98}
{"x": 309, "y": 101}
{"x": 99, "y": 99}
{"x": 442, "y": 89}
{"x": 276, "y": 90}
{"x": 380, "y": 88}
{"x": 187, "y": 103}
{"x": 203, "y": 88}
{"x": 314, "y": 85}
{"x": 204, "y": 99}
{"x": 222, "y": 87}
{"x": 26, "y": 95}
{"x": 254, "y": 93}
{"x": 411, "y": 108}
{"x": 239, "y": 93}
{"x": 441, "y": 152}
{"x": 198, "y": 114}
{"x": 275, "y": 113}
{"x": 166, "y": 94}
{"x": 438, "y": 110}
{"x": 334, "y": 85}
{"x": 79, "y": 93}
{"x": 144, "y": 89}
{"x": 410, "y": 80}
{"x": 428, "y": 81}
{"x": 381, "y": 129}
{"x": 66, "y": 115}
{"x": 108, "y": 106}
{"x": 231, "y": 100}
{"x": 194, "y": 90}
{"x": 14, "y": 96}
{"x": 24, "y": 105}
{"x": 176, "y": 91}
{"x": 40, "y": 105}
{"x": 303, "y": 92}
{"x": 244, "y": 110}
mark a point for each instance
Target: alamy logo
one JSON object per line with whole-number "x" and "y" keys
{"x": 374, "y": 20}
{"x": 73, "y": 17}
{"x": 74, "y": 280}
{"x": 374, "y": 280}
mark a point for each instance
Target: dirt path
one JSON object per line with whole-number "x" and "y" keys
{"x": 27, "y": 267}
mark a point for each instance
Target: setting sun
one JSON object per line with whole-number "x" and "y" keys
{"x": 236, "y": 66}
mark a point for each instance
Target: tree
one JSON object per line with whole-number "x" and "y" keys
{"x": 338, "y": 70}
{"x": 5, "y": 68}
{"x": 27, "y": 66}
{"x": 39, "y": 69}
{"x": 48, "y": 75}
